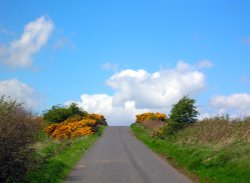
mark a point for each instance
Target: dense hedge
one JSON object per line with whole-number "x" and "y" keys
{"x": 18, "y": 128}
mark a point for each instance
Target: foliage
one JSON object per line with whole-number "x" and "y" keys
{"x": 76, "y": 126}
{"x": 151, "y": 116}
{"x": 100, "y": 120}
{"x": 58, "y": 114}
{"x": 183, "y": 113}
{"x": 18, "y": 129}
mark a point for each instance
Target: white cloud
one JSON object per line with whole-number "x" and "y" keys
{"x": 236, "y": 104}
{"x": 137, "y": 91}
{"x": 19, "y": 52}
{"x": 204, "y": 64}
{"x": 19, "y": 91}
{"x": 103, "y": 104}
{"x": 156, "y": 90}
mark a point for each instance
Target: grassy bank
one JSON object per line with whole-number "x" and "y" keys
{"x": 228, "y": 161}
{"x": 60, "y": 157}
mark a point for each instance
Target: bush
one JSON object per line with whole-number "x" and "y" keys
{"x": 59, "y": 114}
{"x": 76, "y": 126}
{"x": 18, "y": 128}
{"x": 184, "y": 112}
{"x": 151, "y": 116}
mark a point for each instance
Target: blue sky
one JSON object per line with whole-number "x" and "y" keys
{"x": 90, "y": 52}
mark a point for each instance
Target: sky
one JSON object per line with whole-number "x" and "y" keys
{"x": 122, "y": 58}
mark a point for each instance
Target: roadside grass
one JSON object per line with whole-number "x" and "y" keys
{"x": 59, "y": 157}
{"x": 211, "y": 162}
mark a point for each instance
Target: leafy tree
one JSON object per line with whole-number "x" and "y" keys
{"x": 58, "y": 114}
{"x": 75, "y": 110}
{"x": 184, "y": 112}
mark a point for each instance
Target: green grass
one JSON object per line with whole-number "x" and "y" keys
{"x": 228, "y": 164}
{"x": 60, "y": 158}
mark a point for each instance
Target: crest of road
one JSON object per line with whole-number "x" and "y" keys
{"x": 118, "y": 157}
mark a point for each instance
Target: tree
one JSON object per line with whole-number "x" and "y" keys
{"x": 58, "y": 114}
{"x": 184, "y": 112}
{"x": 75, "y": 110}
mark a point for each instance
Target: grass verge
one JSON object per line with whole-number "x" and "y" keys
{"x": 228, "y": 164}
{"x": 60, "y": 158}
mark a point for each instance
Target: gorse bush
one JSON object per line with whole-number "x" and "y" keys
{"x": 182, "y": 114}
{"x": 154, "y": 121}
{"x": 59, "y": 114}
{"x": 151, "y": 116}
{"x": 76, "y": 126}
{"x": 18, "y": 128}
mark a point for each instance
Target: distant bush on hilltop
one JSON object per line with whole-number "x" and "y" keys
{"x": 151, "y": 116}
{"x": 182, "y": 114}
{"x": 58, "y": 114}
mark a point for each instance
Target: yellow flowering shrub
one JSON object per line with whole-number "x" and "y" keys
{"x": 75, "y": 127}
{"x": 151, "y": 116}
{"x": 82, "y": 132}
{"x": 153, "y": 121}
{"x": 73, "y": 119}
{"x": 50, "y": 129}
{"x": 99, "y": 118}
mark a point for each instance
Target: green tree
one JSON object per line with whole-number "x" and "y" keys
{"x": 58, "y": 114}
{"x": 184, "y": 112}
{"x": 75, "y": 110}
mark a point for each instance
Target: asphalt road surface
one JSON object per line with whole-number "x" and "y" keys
{"x": 118, "y": 157}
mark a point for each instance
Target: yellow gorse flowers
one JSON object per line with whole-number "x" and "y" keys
{"x": 151, "y": 116}
{"x": 76, "y": 126}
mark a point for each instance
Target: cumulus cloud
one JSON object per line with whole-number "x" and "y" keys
{"x": 19, "y": 91}
{"x": 137, "y": 91}
{"x": 155, "y": 90}
{"x": 237, "y": 104}
{"x": 103, "y": 104}
{"x": 19, "y": 53}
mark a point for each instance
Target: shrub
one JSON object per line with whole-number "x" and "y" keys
{"x": 76, "y": 126}
{"x": 183, "y": 113}
{"x": 99, "y": 118}
{"x": 151, "y": 116}
{"x": 18, "y": 128}
{"x": 59, "y": 114}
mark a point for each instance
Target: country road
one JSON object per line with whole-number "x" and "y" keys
{"x": 118, "y": 157}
